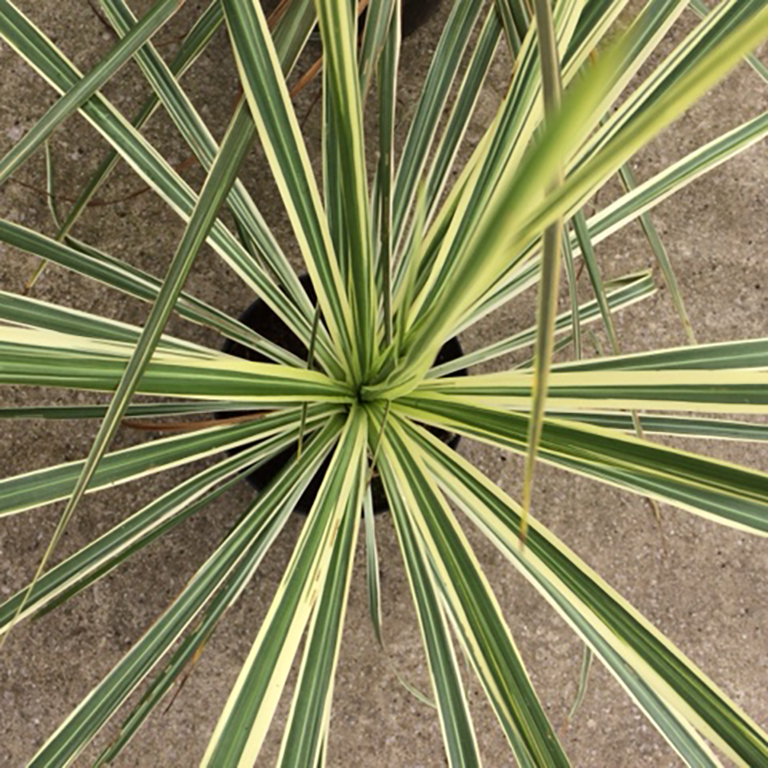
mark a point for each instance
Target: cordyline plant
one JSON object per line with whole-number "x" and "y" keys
{"x": 399, "y": 265}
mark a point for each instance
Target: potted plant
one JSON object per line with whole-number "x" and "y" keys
{"x": 400, "y": 263}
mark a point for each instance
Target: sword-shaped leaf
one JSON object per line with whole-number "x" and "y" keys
{"x": 452, "y": 706}
{"x": 243, "y": 724}
{"x": 676, "y": 696}
{"x": 68, "y": 104}
{"x": 723, "y": 492}
{"x": 237, "y": 556}
{"x": 278, "y": 129}
{"x": 472, "y": 606}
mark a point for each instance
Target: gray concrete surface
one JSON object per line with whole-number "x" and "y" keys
{"x": 707, "y": 589}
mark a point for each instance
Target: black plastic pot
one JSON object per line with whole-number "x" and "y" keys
{"x": 416, "y": 13}
{"x": 260, "y": 318}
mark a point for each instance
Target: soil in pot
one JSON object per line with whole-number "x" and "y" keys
{"x": 260, "y": 318}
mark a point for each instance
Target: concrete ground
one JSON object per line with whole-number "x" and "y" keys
{"x": 706, "y": 589}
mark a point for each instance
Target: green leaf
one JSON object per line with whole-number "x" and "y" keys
{"x": 98, "y": 558}
{"x": 581, "y": 691}
{"x": 620, "y": 293}
{"x": 43, "y": 486}
{"x": 515, "y": 18}
{"x": 749, "y": 355}
{"x": 672, "y": 691}
{"x": 278, "y": 129}
{"x": 675, "y": 425}
{"x": 43, "y": 56}
{"x": 243, "y": 724}
{"x": 372, "y": 574}
{"x": 338, "y": 30}
{"x": 202, "y": 143}
{"x": 376, "y": 36}
{"x": 306, "y": 732}
{"x": 473, "y": 608}
{"x": 705, "y": 390}
{"x": 240, "y": 553}
{"x": 723, "y": 492}
{"x": 155, "y": 18}
{"x": 383, "y": 187}
{"x": 550, "y": 258}
{"x": 453, "y": 709}
{"x": 44, "y": 315}
{"x": 50, "y": 185}
{"x": 573, "y": 295}
{"x": 44, "y": 358}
